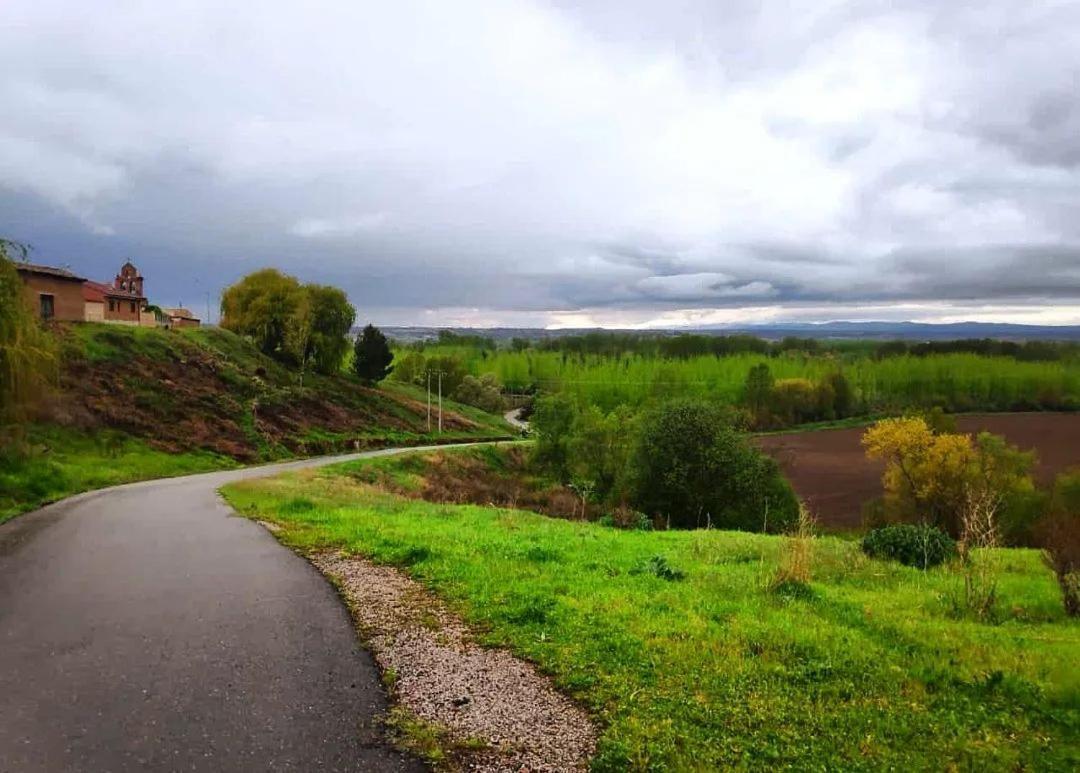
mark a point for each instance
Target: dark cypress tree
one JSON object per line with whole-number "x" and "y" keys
{"x": 373, "y": 356}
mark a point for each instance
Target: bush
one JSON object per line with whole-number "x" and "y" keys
{"x": 919, "y": 545}
{"x": 483, "y": 393}
{"x": 623, "y": 517}
{"x": 693, "y": 468}
{"x": 1060, "y": 536}
{"x": 658, "y": 566}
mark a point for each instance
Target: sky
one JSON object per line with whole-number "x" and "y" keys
{"x": 575, "y": 163}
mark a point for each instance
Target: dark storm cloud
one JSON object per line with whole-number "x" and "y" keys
{"x": 519, "y": 159}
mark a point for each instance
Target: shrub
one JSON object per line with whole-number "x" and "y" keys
{"x": 1060, "y": 536}
{"x": 693, "y": 468}
{"x": 658, "y": 566}
{"x": 921, "y": 545}
{"x": 623, "y": 517}
{"x": 483, "y": 393}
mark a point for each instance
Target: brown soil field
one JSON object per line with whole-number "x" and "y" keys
{"x": 830, "y": 472}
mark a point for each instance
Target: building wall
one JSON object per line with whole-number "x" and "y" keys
{"x": 147, "y": 319}
{"x": 67, "y": 295}
{"x": 184, "y": 322}
{"x": 122, "y": 310}
{"x": 95, "y": 311}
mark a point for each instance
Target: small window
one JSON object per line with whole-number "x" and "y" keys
{"x": 47, "y": 306}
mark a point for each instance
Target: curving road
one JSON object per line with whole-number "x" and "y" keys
{"x": 146, "y": 627}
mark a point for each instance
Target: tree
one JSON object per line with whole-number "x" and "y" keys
{"x": 483, "y": 392}
{"x": 332, "y": 318}
{"x": 261, "y": 306}
{"x": 1060, "y": 536}
{"x": 552, "y": 423}
{"x": 452, "y": 370}
{"x": 301, "y": 325}
{"x": 942, "y": 477}
{"x": 691, "y": 466}
{"x": 843, "y": 396}
{"x": 411, "y": 369}
{"x": 372, "y": 359}
{"x": 757, "y": 392}
{"x": 599, "y": 448}
{"x": 28, "y": 354}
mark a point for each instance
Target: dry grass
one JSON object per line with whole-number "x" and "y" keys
{"x": 797, "y": 555}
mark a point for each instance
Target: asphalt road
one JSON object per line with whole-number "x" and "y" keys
{"x": 146, "y": 627}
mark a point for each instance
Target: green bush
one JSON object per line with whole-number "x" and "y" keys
{"x": 693, "y": 468}
{"x": 921, "y": 545}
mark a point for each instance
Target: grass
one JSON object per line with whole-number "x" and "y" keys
{"x": 153, "y": 403}
{"x": 690, "y": 659}
{"x": 61, "y": 462}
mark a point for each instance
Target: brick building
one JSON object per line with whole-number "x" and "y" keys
{"x": 56, "y": 293}
{"x": 53, "y": 293}
{"x": 124, "y": 301}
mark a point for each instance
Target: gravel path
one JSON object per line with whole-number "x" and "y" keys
{"x": 443, "y": 677}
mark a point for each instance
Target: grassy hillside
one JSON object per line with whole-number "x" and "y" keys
{"x": 137, "y": 403}
{"x": 870, "y": 669}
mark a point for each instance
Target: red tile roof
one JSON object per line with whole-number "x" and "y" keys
{"x": 94, "y": 291}
{"x": 59, "y": 273}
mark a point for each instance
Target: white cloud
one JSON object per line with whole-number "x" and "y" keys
{"x": 600, "y": 158}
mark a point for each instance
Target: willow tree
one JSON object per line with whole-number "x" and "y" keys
{"x": 28, "y": 353}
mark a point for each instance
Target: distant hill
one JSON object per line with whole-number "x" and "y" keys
{"x": 906, "y": 331}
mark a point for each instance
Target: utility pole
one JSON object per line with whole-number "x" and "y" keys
{"x": 429, "y": 402}
{"x": 440, "y": 402}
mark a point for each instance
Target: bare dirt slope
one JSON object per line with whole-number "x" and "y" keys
{"x": 211, "y": 390}
{"x": 829, "y": 470}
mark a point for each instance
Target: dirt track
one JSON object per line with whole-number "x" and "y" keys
{"x": 828, "y": 468}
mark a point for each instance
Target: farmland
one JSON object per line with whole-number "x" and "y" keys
{"x": 829, "y": 469}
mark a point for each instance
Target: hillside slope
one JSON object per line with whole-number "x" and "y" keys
{"x": 136, "y": 403}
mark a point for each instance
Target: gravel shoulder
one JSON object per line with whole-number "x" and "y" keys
{"x": 501, "y": 713}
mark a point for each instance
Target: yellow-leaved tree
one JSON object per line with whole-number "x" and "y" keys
{"x": 941, "y": 477}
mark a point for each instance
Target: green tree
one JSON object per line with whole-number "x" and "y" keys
{"x": 28, "y": 353}
{"x": 332, "y": 318}
{"x": 483, "y": 392}
{"x": 552, "y": 423}
{"x": 373, "y": 358}
{"x": 691, "y": 466}
{"x": 757, "y": 393}
{"x": 262, "y": 306}
{"x": 452, "y": 370}
{"x": 843, "y": 396}
{"x": 599, "y": 448}
{"x": 411, "y": 369}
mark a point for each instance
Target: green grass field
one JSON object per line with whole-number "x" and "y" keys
{"x": 868, "y": 671}
{"x": 62, "y": 462}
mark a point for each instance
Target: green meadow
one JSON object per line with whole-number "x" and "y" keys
{"x": 689, "y": 659}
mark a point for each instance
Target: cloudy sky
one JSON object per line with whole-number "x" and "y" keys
{"x": 558, "y": 162}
